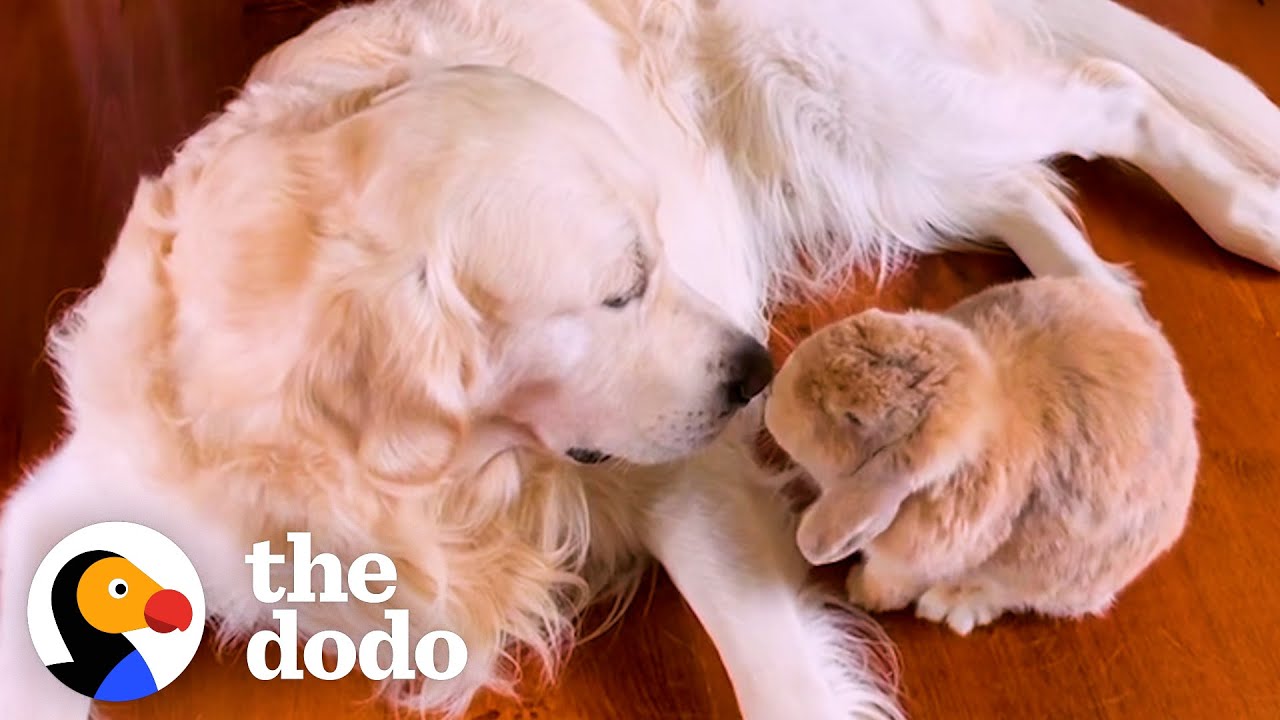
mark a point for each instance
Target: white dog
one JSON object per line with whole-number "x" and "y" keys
{"x": 443, "y": 257}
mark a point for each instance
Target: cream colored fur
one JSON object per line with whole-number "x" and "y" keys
{"x": 435, "y": 246}
{"x": 1033, "y": 448}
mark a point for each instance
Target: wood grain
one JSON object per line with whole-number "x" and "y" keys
{"x": 95, "y": 92}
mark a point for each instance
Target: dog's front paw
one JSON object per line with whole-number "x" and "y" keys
{"x": 961, "y": 607}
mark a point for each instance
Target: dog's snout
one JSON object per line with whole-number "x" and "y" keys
{"x": 750, "y": 371}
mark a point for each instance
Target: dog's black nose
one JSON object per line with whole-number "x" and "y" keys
{"x": 750, "y": 370}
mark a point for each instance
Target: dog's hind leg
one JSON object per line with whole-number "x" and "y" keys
{"x": 1214, "y": 95}
{"x": 1114, "y": 113}
{"x": 727, "y": 545}
{"x": 1239, "y": 208}
{"x": 1037, "y": 223}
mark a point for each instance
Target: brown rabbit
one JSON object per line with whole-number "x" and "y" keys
{"x": 1033, "y": 448}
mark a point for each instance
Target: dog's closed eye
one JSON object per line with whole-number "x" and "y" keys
{"x": 638, "y": 287}
{"x": 618, "y": 302}
{"x": 633, "y": 293}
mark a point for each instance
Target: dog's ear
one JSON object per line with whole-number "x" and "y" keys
{"x": 393, "y": 372}
{"x": 400, "y": 346}
{"x": 845, "y": 518}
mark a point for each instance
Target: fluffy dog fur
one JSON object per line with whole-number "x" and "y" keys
{"x": 385, "y": 292}
{"x": 1033, "y": 448}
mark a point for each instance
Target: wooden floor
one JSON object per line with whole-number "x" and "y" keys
{"x": 95, "y": 91}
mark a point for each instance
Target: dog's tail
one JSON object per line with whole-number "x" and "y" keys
{"x": 1209, "y": 91}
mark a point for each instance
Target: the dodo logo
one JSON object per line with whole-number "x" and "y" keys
{"x": 116, "y": 611}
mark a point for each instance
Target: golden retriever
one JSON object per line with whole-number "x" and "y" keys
{"x": 481, "y": 286}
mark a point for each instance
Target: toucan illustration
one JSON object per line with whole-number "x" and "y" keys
{"x": 97, "y": 597}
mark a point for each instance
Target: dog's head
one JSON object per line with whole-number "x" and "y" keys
{"x": 466, "y": 247}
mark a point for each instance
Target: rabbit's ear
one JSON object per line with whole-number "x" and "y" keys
{"x": 844, "y": 519}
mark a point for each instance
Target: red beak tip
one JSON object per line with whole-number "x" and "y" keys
{"x": 168, "y": 610}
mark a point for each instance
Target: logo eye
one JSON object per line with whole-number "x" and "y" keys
{"x": 118, "y": 588}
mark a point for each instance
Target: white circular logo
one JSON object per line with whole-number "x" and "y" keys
{"x": 116, "y": 611}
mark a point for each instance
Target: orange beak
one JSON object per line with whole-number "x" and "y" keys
{"x": 168, "y": 610}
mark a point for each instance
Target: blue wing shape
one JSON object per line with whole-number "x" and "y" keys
{"x": 130, "y": 679}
